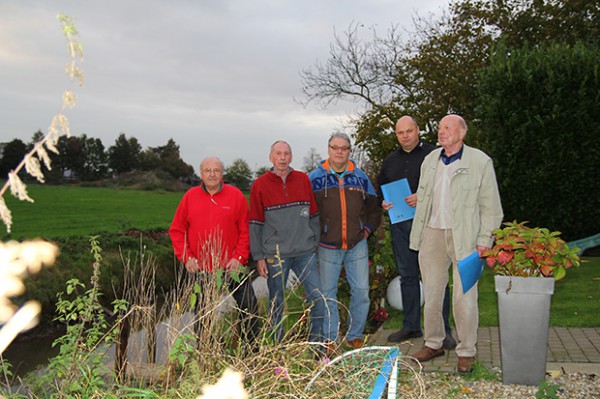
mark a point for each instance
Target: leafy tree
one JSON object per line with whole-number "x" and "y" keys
{"x": 12, "y": 154}
{"x": 239, "y": 174}
{"x": 95, "y": 165}
{"x": 539, "y": 114}
{"x": 149, "y": 160}
{"x": 311, "y": 160}
{"x": 436, "y": 70}
{"x": 171, "y": 161}
{"x": 123, "y": 156}
{"x": 261, "y": 171}
{"x": 71, "y": 157}
{"x": 166, "y": 158}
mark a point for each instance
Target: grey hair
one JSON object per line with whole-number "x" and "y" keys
{"x": 340, "y": 135}
{"x": 283, "y": 142}
{"x": 215, "y": 158}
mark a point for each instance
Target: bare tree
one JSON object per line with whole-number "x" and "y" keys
{"x": 311, "y": 160}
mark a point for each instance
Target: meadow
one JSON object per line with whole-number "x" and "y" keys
{"x": 69, "y": 210}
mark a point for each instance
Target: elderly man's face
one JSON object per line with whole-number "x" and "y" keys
{"x": 211, "y": 172}
{"x": 407, "y": 133}
{"x": 450, "y": 133}
{"x": 339, "y": 152}
{"x": 281, "y": 157}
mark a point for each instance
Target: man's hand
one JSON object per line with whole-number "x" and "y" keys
{"x": 261, "y": 267}
{"x": 386, "y": 205}
{"x": 411, "y": 200}
{"x": 233, "y": 264}
{"x": 192, "y": 265}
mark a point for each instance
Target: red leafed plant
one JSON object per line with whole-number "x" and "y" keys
{"x": 524, "y": 251}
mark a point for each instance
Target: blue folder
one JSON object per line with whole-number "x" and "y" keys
{"x": 470, "y": 269}
{"x": 395, "y": 192}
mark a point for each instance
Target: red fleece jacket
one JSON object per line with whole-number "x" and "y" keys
{"x": 211, "y": 228}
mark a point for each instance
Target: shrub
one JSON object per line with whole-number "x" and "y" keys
{"x": 538, "y": 113}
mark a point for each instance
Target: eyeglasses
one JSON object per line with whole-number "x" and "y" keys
{"x": 336, "y": 148}
{"x": 209, "y": 171}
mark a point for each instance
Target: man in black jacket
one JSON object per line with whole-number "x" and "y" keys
{"x": 406, "y": 162}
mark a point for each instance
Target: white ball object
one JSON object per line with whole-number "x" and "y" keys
{"x": 394, "y": 293}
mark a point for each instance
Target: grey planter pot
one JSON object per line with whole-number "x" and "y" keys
{"x": 524, "y": 316}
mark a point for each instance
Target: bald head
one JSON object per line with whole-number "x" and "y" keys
{"x": 451, "y": 133}
{"x": 407, "y": 133}
{"x": 281, "y": 157}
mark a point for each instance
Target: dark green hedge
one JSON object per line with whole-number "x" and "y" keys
{"x": 539, "y": 111}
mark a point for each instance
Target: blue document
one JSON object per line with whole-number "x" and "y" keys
{"x": 396, "y": 192}
{"x": 470, "y": 269}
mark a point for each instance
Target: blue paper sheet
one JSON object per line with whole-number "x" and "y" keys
{"x": 470, "y": 269}
{"x": 395, "y": 192}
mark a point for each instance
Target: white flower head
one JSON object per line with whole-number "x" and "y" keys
{"x": 32, "y": 166}
{"x": 5, "y": 215}
{"x": 17, "y": 188}
{"x": 229, "y": 386}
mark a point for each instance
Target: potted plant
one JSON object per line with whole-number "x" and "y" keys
{"x": 527, "y": 261}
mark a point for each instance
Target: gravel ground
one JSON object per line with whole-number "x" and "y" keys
{"x": 569, "y": 386}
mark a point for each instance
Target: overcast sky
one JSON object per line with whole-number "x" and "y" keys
{"x": 219, "y": 77}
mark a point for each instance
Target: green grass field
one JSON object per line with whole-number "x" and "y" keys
{"x": 64, "y": 211}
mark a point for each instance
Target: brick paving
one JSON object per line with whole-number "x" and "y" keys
{"x": 570, "y": 349}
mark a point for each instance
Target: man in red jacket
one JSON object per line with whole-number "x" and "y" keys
{"x": 210, "y": 231}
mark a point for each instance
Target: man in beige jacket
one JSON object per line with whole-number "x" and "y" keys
{"x": 458, "y": 207}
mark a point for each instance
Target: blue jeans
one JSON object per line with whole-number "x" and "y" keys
{"x": 407, "y": 262}
{"x": 306, "y": 269}
{"x": 356, "y": 264}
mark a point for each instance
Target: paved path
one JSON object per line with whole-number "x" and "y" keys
{"x": 572, "y": 349}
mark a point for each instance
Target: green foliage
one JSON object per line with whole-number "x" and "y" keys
{"x": 261, "y": 171}
{"x": 166, "y": 158}
{"x": 538, "y": 113}
{"x": 384, "y": 263}
{"x": 70, "y": 211}
{"x": 376, "y": 133}
{"x": 123, "y": 156}
{"x": 436, "y": 71}
{"x": 523, "y": 251}
{"x": 12, "y": 154}
{"x": 79, "y": 368}
{"x": 481, "y": 373}
{"x": 238, "y": 174}
{"x": 547, "y": 390}
{"x": 183, "y": 348}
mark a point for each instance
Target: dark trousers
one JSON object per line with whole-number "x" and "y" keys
{"x": 244, "y": 296}
{"x": 407, "y": 262}
{"x": 245, "y": 299}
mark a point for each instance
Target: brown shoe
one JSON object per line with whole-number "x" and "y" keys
{"x": 465, "y": 364}
{"x": 356, "y": 343}
{"x": 426, "y": 353}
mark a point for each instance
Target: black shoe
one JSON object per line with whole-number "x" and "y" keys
{"x": 449, "y": 342}
{"x": 402, "y": 335}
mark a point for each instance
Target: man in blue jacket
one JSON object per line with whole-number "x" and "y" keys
{"x": 349, "y": 212}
